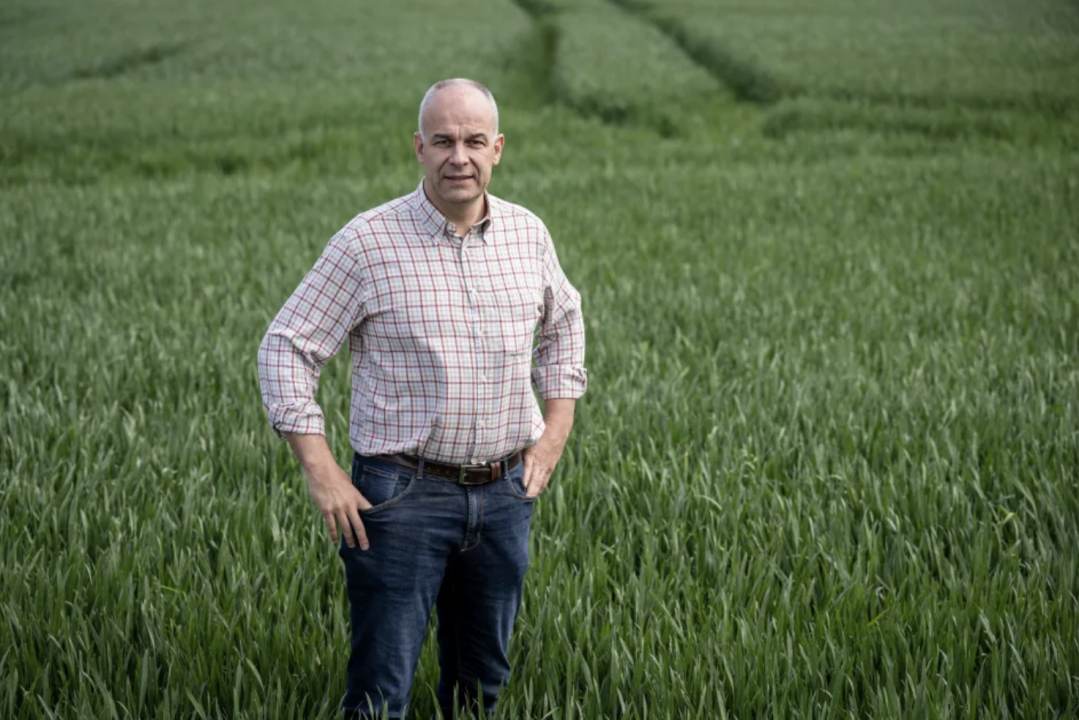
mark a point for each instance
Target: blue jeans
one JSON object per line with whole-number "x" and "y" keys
{"x": 433, "y": 543}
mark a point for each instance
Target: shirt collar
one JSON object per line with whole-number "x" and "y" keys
{"x": 438, "y": 226}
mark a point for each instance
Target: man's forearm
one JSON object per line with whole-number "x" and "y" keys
{"x": 558, "y": 416}
{"x": 311, "y": 450}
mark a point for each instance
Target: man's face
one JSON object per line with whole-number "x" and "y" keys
{"x": 460, "y": 147}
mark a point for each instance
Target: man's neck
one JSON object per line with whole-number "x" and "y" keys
{"x": 463, "y": 217}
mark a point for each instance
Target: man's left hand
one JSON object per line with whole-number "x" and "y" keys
{"x": 540, "y": 461}
{"x": 541, "y": 458}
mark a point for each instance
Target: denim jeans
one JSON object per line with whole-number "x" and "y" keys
{"x": 433, "y": 543}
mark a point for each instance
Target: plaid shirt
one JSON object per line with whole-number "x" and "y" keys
{"x": 440, "y": 331}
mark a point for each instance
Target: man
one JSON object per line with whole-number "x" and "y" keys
{"x": 439, "y": 293}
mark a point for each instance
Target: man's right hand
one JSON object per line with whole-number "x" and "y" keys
{"x": 331, "y": 489}
{"x": 339, "y": 502}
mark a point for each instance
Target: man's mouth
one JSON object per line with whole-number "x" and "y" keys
{"x": 458, "y": 178}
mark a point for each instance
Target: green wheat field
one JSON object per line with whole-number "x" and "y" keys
{"x": 829, "y": 259}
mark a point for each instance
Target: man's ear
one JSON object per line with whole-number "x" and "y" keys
{"x": 417, "y": 142}
{"x": 499, "y": 142}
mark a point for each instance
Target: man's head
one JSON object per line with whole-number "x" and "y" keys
{"x": 458, "y": 141}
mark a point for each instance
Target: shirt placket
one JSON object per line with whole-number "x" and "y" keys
{"x": 471, "y": 263}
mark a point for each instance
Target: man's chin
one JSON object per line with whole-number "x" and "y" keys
{"x": 460, "y": 194}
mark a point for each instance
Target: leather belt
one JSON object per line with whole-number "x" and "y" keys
{"x": 478, "y": 474}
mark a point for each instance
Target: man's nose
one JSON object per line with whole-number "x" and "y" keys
{"x": 459, "y": 157}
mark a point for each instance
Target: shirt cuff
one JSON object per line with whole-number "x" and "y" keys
{"x": 560, "y": 381}
{"x": 301, "y": 419}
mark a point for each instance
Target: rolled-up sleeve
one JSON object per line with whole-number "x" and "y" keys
{"x": 306, "y": 333}
{"x": 559, "y": 370}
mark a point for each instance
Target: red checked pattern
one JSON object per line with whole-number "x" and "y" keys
{"x": 441, "y": 331}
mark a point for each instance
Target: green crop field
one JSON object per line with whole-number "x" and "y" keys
{"x": 829, "y": 259}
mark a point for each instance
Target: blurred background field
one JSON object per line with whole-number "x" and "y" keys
{"x": 829, "y": 258}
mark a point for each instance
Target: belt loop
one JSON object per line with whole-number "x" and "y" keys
{"x": 419, "y": 470}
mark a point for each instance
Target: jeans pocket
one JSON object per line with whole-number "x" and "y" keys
{"x": 382, "y": 488}
{"x": 516, "y": 480}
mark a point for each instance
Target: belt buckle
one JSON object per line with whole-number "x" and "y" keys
{"x": 462, "y": 478}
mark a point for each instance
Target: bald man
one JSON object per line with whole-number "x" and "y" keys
{"x": 440, "y": 294}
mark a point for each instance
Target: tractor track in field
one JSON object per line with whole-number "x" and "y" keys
{"x": 757, "y": 86}
{"x": 747, "y": 82}
{"x": 546, "y": 84}
{"x": 540, "y": 68}
{"x": 12, "y": 18}
{"x": 128, "y": 62}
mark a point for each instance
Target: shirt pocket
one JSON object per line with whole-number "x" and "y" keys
{"x": 518, "y": 312}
